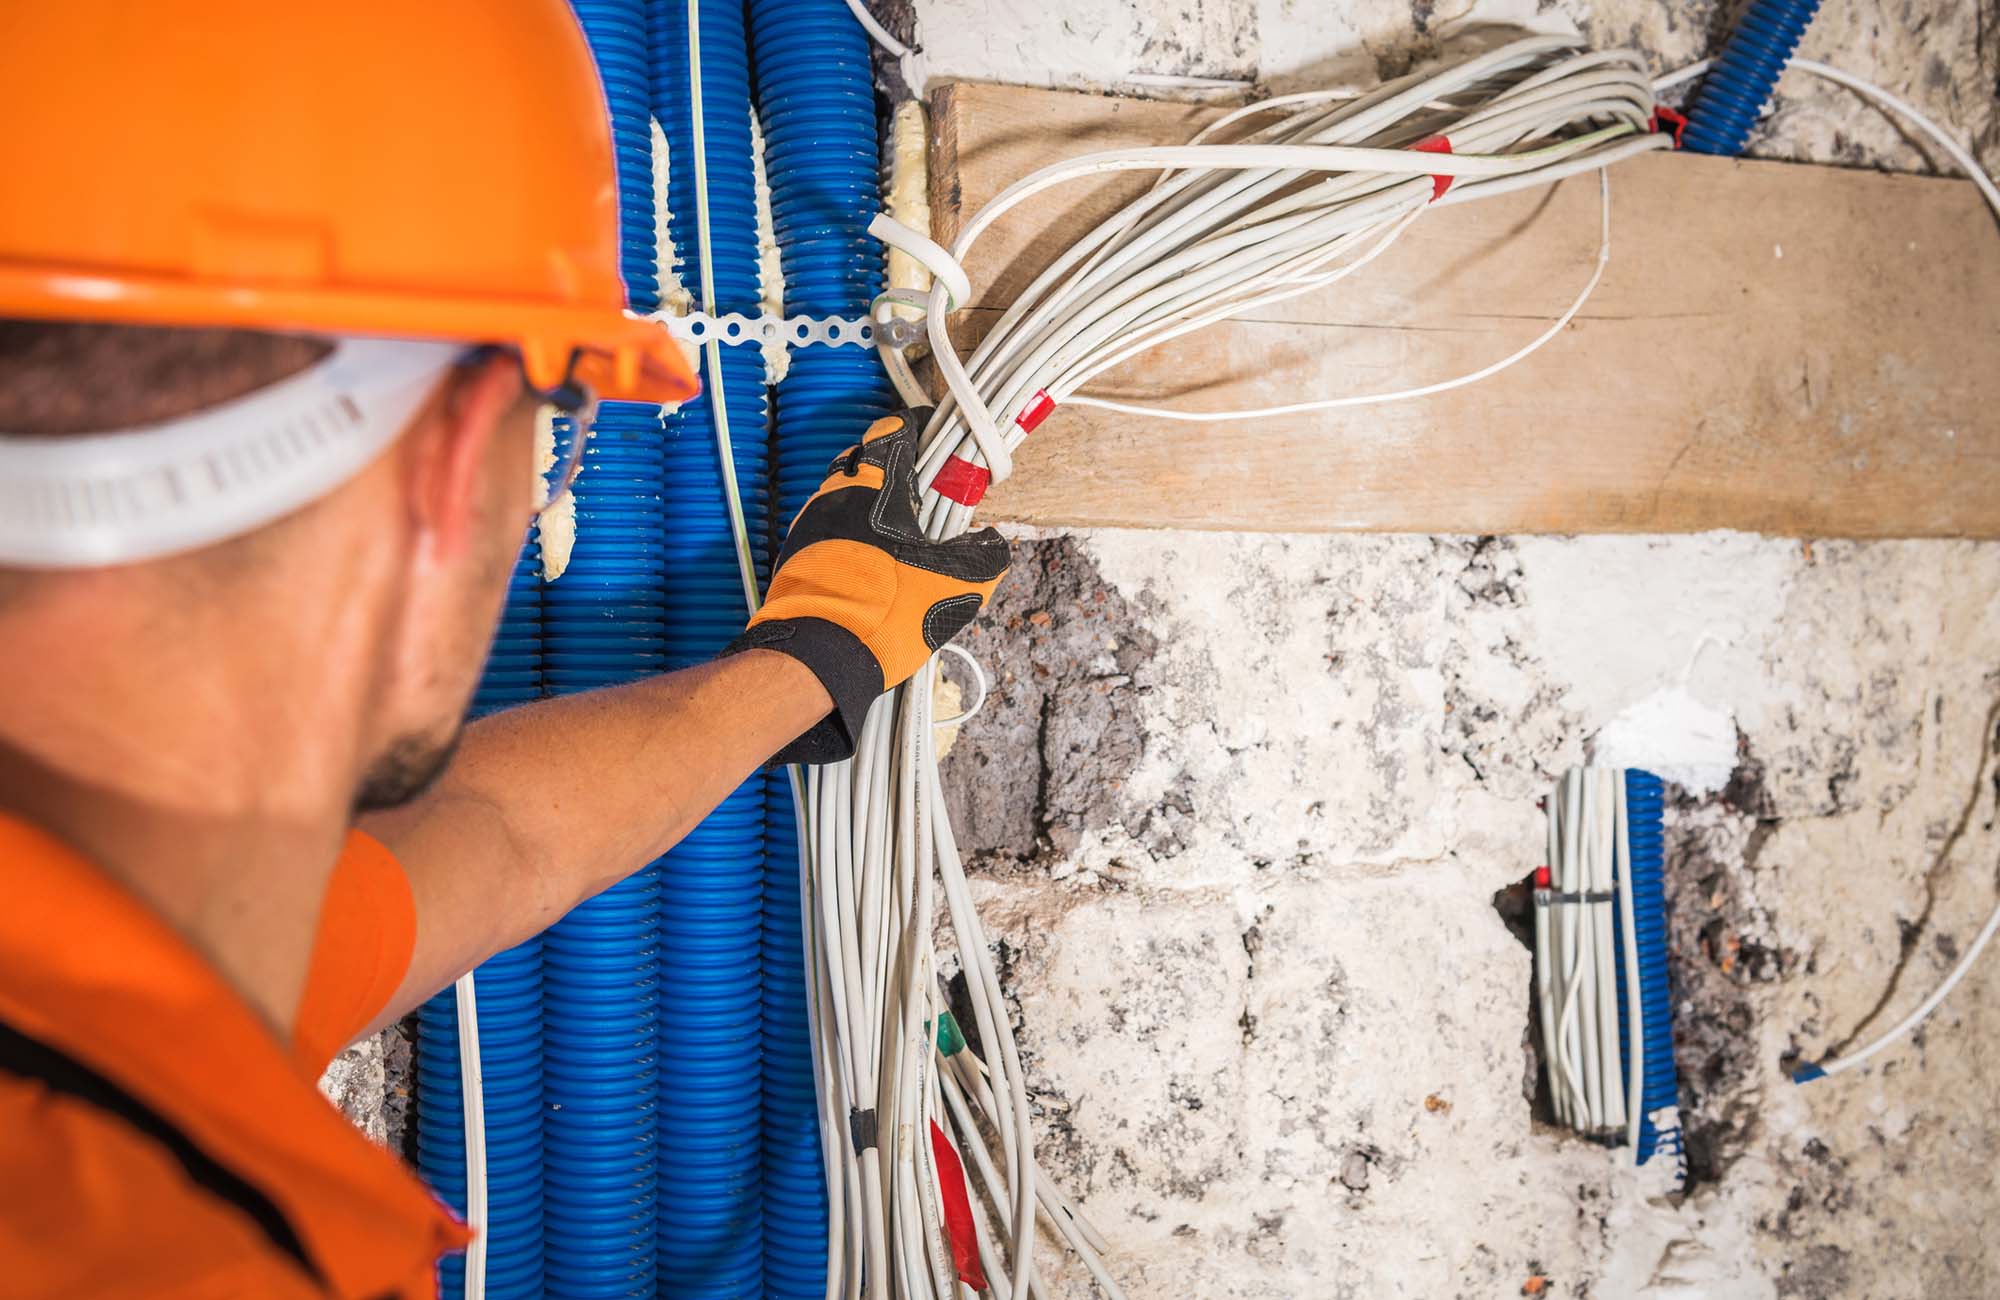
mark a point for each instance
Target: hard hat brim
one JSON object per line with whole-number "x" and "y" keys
{"x": 621, "y": 356}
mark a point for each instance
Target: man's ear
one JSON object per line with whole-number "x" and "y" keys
{"x": 450, "y": 445}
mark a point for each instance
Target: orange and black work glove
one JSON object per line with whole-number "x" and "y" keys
{"x": 859, "y": 594}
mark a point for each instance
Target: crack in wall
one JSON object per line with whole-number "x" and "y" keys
{"x": 1912, "y": 931}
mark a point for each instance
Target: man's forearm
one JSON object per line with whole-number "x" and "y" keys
{"x": 549, "y": 804}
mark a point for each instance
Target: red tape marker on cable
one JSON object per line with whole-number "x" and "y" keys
{"x": 1035, "y": 411}
{"x": 962, "y": 481}
{"x": 1677, "y": 120}
{"x": 1435, "y": 144}
{"x": 957, "y": 1211}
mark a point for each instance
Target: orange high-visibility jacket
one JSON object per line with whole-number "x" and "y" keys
{"x": 156, "y": 1137}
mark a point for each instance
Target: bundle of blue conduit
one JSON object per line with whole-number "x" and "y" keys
{"x": 650, "y": 1113}
{"x": 711, "y": 1220}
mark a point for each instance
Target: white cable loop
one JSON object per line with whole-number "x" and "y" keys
{"x": 928, "y": 253}
{"x": 979, "y": 675}
{"x": 1427, "y": 390}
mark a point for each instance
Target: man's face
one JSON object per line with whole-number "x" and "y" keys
{"x": 454, "y": 592}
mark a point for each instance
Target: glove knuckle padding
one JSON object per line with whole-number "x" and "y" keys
{"x": 886, "y": 427}
{"x": 975, "y": 564}
{"x": 949, "y": 617}
{"x": 895, "y": 509}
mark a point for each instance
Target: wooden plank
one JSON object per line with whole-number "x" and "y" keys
{"x": 1785, "y": 349}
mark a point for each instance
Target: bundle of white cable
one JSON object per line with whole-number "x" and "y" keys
{"x": 1287, "y": 208}
{"x": 1593, "y": 1087}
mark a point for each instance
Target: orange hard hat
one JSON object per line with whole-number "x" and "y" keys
{"x": 422, "y": 169}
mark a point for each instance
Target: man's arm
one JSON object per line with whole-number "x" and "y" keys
{"x": 552, "y": 803}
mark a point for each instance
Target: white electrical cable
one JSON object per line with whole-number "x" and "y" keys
{"x": 1244, "y": 255}
{"x": 472, "y": 1090}
{"x": 978, "y": 674}
{"x": 932, "y": 256}
{"x": 1403, "y": 394}
{"x": 876, "y": 31}
{"x": 1635, "y": 1005}
{"x": 1923, "y": 1009}
{"x": 825, "y": 1031}
{"x": 1960, "y": 156}
{"x": 909, "y": 61}
{"x": 746, "y": 561}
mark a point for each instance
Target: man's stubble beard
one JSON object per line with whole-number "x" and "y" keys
{"x": 409, "y": 767}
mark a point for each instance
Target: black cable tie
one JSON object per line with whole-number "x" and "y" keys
{"x": 861, "y": 1126}
{"x": 1593, "y": 896}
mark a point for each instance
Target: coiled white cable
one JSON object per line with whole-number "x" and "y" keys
{"x": 1226, "y": 231}
{"x": 1299, "y": 204}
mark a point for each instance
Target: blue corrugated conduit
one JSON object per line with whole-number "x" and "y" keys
{"x": 510, "y": 1028}
{"x": 604, "y": 622}
{"x": 661, "y": 999}
{"x": 1739, "y": 82}
{"x": 711, "y": 1220}
{"x": 618, "y": 36}
{"x": 1645, "y": 802}
{"x": 816, "y": 100}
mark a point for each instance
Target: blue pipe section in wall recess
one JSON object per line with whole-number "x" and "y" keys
{"x": 1645, "y": 802}
{"x": 711, "y": 1217}
{"x": 816, "y": 100}
{"x": 1739, "y": 82}
{"x": 605, "y": 622}
{"x": 509, "y": 988}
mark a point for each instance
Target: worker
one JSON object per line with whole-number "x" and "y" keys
{"x": 280, "y": 297}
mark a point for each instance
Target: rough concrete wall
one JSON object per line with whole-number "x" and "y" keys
{"x": 371, "y": 1082}
{"x": 1276, "y": 1026}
